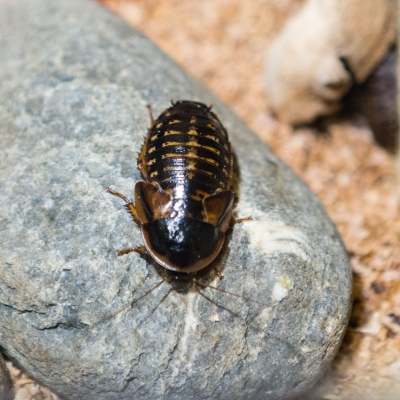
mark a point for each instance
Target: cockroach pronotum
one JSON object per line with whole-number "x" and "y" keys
{"x": 184, "y": 206}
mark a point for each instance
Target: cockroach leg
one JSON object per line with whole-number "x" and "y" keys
{"x": 218, "y": 273}
{"x": 121, "y": 196}
{"x": 132, "y": 210}
{"x": 129, "y": 205}
{"x": 151, "y": 114}
{"x": 240, "y": 220}
{"x": 137, "y": 249}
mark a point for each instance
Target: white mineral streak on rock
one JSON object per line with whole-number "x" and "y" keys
{"x": 282, "y": 288}
{"x": 330, "y": 325}
{"x": 274, "y": 237}
{"x": 305, "y": 74}
{"x": 256, "y": 336}
{"x": 213, "y": 318}
{"x": 191, "y": 322}
{"x": 263, "y": 319}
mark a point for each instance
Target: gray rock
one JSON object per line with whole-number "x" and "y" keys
{"x": 5, "y": 381}
{"x": 74, "y": 84}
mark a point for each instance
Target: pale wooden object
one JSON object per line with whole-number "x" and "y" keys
{"x": 398, "y": 97}
{"x": 322, "y": 50}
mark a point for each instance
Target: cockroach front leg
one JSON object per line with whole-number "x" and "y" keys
{"x": 132, "y": 210}
{"x": 138, "y": 249}
{"x": 240, "y": 220}
{"x": 129, "y": 205}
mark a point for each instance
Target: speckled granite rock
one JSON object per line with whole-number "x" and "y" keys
{"x": 74, "y": 83}
{"x": 5, "y": 381}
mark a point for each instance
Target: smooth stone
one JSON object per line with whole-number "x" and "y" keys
{"x": 75, "y": 82}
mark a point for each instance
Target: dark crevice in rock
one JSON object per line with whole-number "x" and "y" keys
{"x": 22, "y": 311}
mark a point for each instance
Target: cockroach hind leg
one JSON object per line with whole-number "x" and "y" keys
{"x": 137, "y": 249}
{"x": 240, "y": 220}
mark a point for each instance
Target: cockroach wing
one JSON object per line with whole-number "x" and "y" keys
{"x": 151, "y": 202}
{"x": 218, "y": 209}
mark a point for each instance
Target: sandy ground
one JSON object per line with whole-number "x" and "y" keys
{"x": 224, "y": 46}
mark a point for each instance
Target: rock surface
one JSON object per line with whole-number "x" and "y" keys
{"x": 74, "y": 84}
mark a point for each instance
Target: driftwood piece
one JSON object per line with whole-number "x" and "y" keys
{"x": 322, "y": 51}
{"x": 6, "y": 392}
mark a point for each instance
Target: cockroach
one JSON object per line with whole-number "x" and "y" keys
{"x": 184, "y": 205}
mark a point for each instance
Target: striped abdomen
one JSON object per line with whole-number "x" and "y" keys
{"x": 188, "y": 154}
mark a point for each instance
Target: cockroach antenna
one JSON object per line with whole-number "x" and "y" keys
{"x": 131, "y": 304}
{"x": 227, "y": 292}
